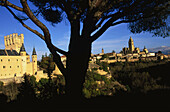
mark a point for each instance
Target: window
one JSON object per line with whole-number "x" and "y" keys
{"x": 1, "y": 59}
{"x": 17, "y": 59}
{"x": 8, "y": 59}
{"x": 3, "y": 66}
{"x": 10, "y": 66}
{"x": 18, "y": 66}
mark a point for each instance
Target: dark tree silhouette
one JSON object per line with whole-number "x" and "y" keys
{"x": 97, "y": 16}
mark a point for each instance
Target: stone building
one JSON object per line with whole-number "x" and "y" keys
{"x": 145, "y": 50}
{"x": 125, "y": 50}
{"x": 15, "y": 61}
{"x": 131, "y": 48}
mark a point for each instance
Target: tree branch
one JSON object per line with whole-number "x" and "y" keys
{"x": 57, "y": 58}
{"x": 103, "y": 19}
{"x": 46, "y": 36}
{"x": 105, "y": 26}
{"x": 60, "y": 51}
{"x": 34, "y": 31}
{"x": 108, "y": 23}
{"x": 7, "y": 3}
{"x": 129, "y": 10}
{"x": 20, "y": 20}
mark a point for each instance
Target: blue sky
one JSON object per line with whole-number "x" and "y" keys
{"x": 115, "y": 38}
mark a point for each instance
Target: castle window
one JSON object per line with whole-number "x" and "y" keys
{"x": 18, "y": 66}
{"x": 10, "y": 66}
{"x": 3, "y": 66}
{"x": 8, "y": 59}
{"x": 1, "y": 59}
{"x": 17, "y": 59}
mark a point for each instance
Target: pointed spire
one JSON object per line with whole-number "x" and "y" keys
{"x": 144, "y": 47}
{"x": 34, "y": 52}
{"x": 130, "y": 39}
{"x": 102, "y": 50}
{"x": 22, "y": 47}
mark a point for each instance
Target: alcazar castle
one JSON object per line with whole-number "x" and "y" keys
{"x": 15, "y": 61}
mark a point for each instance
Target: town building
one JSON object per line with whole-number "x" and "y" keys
{"x": 130, "y": 54}
{"x": 132, "y": 48}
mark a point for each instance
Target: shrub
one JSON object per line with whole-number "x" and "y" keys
{"x": 86, "y": 93}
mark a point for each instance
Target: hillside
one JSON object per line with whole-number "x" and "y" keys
{"x": 163, "y": 49}
{"x": 157, "y": 75}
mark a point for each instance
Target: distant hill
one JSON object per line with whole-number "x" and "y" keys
{"x": 163, "y": 49}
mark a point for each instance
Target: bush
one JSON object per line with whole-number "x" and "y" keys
{"x": 11, "y": 91}
{"x": 1, "y": 85}
{"x": 86, "y": 93}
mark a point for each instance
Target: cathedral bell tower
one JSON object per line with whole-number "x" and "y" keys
{"x": 34, "y": 62}
{"x": 131, "y": 45}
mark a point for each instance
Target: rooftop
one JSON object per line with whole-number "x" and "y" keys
{"x": 4, "y": 52}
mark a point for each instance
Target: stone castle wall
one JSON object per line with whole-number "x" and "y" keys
{"x": 10, "y": 66}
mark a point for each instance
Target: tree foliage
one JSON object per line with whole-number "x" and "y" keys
{"x": 47, "y": 64}
{"x": 142, "y": 15}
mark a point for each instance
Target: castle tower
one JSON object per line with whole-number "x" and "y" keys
{"x": 34, "y": 61}
{"x": 14, "y": 41}
{"x": 23, "y": 59}
{"x": 131, "y": 45}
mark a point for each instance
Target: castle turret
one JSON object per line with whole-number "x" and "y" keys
{"x": 22, "y": 50}
{"x": 131, "y": 45}
{"x": 34, "y": 61}
{"x": 24, "y": 61}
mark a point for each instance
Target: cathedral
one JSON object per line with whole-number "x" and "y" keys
{"x": 14, "y": 60}
{"x": 132, "y": 48}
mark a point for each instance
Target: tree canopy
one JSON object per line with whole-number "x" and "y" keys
{"x": 142, "y": 15}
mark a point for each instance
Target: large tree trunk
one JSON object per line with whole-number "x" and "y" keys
{"x": 77, "y": 65}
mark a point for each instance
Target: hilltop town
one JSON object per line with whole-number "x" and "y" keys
{"x": 15, "y": 61}
{"x": 109, "y": 74}
{"x": 128, "y": 54}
